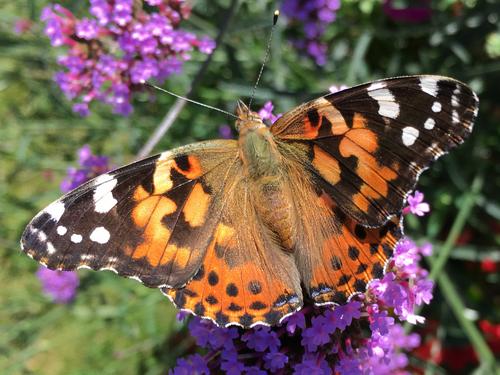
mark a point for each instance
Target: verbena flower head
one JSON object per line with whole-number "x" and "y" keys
{"x": 364, "y": 336}
{"x": 90, "y": 166}
{"x": 59, "y": 285}
{"x": 315, "y": 15}
{"x": 122, "y": 45}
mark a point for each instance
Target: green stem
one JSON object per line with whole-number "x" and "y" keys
{"x": 453, "y": 299}
{"x": 465, "y": 210}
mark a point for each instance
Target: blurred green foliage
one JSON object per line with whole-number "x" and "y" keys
{"x": 117, "y": 326}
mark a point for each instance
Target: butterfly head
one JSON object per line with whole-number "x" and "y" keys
{"x": 247, "y": 119}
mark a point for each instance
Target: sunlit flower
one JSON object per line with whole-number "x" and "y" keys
{"x": 110, "y": 55}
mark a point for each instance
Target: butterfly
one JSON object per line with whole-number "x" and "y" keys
{"x": 242, "y": 231}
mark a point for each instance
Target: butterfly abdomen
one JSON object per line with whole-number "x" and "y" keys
{"x": 264, "y": 169}
{"x": 274, "y": 206}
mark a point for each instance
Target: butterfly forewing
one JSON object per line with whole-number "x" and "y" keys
{"x": 151, "y": 220}
{"x": 368, "y": 144}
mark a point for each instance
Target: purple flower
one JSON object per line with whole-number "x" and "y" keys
{"x": 266, "y": 113}
{"x": 59, "y": 285}
{"x": 201, "y": 330}
{"x": 194, "y": 364}
{"x": 261, "y": 339}
{"x": 225, "y": 132}
{"x": 81, "y": 108}
{"x": 318, "y": 334}
{"x": 315, "y": 15}
{"x": 90, "y": 166}
{"x": 313, "y": 365}
{"x": 233, "y": 367}
{"x": 22, "y": 25}
{"x": 342, "y": 315}
{"x": 416, "y": 204}
{"x": 129, "y": 46}
{"x": 87, "y": 29}
{"x": 275, "y": 361}
{"x": 296, "y": 320}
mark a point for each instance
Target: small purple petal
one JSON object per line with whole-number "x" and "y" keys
{"x": 59, "y": 285}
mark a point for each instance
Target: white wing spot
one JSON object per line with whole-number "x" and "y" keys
{"x": 55, "y": 210}
{"x": 436, "y": 107}
{"x": 429, "y": 123}
{"x": 376, "y": 86}
{"x": 61, "y": 230}
{"x": 388, "y": 107}
{"x": 429, "y": 85}
{"x": 103, "y": 196}
{"x": 410, "y": 135}
{"x": 454, "y": 117}
{"x": 87, "y": 256}
{"x": 42, "y": 236}
{"x": 50, "y": 248}
{"x": 165, "y": 155}
{"x": 100, "y": 235}
{"x": 76, "y": 238}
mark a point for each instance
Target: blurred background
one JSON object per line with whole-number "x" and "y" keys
{"x": 100, "y": 323}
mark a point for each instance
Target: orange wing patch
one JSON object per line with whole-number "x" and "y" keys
{"x": 326, "y": 165}
{"x": 148, "y": 215}
{"x": 232, "y": 287}
{"x": 353, "y": 257}
{"x": 196, "y": 207}
{"x": 322, "y": 119}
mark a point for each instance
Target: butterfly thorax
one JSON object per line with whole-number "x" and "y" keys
{"x": 264, "y": 168}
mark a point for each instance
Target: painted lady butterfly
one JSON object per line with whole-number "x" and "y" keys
{"x": 239, "y": 231}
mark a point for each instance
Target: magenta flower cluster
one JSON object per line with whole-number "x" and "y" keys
{"x": 125, "y": 43}
{"x": 315, "y": 15}
{"x": 364, "y": 336}
{"x": 90, "y": 166}
{"x": 61, "y": 286}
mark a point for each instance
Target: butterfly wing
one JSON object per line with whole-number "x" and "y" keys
{"x": 246, "y": 278}
{"x": 363, "y": 149}
{"x": 151, "y": 220}
{"x": 368, "y": 144}
{"x": 181, "y": 221}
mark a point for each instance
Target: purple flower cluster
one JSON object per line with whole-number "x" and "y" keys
{"x": 111, "y": 54}
{"x": 59, "y": 285}
{"x": 90, "y": 167}
{"x": 416, "y": 204}
{"x": 315, "y": 15}
{"x": 363, "y": 336}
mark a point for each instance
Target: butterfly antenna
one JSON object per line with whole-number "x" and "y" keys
{"x": 188, "y": 100}
{"x": 266, "y": 56}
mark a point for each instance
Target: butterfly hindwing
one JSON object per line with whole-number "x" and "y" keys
{"x": 368, "y": 144}
{"x": 246, "y": 278}
{"x": 151, "y": 220}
